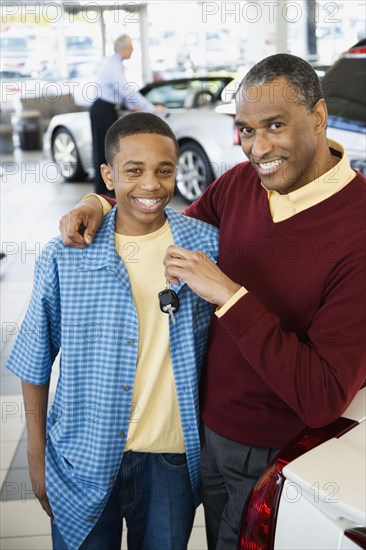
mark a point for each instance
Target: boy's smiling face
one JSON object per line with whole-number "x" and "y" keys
{"x": 143, "y": 178}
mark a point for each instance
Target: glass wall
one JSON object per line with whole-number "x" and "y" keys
{"x": 41, "y": 40}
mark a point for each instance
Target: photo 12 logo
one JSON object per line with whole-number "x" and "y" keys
{"x": 253, "y": 12}
{"x": 54, "y": 12}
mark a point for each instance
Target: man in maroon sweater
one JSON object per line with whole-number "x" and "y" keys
{"x": 287, "y": 340}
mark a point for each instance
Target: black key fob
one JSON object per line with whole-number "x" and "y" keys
{"x": 168, "y": 299}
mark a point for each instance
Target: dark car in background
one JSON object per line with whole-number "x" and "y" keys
{"x": 344, "y": 85}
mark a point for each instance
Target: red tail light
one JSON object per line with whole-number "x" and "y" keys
{"x": 260, "y": 513}
{"x": 236, "y": 136}
{"x": 357, "y": 50}
{"x": 259, "y": 519}
{"x": 358, "y": 536}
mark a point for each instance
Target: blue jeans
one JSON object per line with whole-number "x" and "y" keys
{"x": 153, "y": 493}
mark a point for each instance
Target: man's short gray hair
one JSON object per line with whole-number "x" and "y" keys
{"x": 121, "y": 42}
{"x": 302, "y": 79}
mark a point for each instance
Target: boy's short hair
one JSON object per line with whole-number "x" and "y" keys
{"x": 132, "y": 124}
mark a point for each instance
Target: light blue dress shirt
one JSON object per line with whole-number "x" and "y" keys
{"x": 82, "y": 304}
{"x": 114, "y": 87}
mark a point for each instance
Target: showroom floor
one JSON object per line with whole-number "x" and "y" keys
{"x": 32, "y": 201}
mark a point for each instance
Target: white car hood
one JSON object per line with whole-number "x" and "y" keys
{"x": 333, "y": 475}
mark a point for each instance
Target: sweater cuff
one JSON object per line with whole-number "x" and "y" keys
{"x": 107, "y": 206}
{"x": 238, "y": 294}
{"x": 243, "y": 316}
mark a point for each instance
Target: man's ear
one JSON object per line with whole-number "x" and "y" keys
{"x": 320, "y": 116}
{"x": 107, "y": 176}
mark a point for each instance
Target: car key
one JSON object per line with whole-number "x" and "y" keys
{"x": 169, "y": 302}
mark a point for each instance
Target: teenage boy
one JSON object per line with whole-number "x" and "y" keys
{"x": 122, "y": 436}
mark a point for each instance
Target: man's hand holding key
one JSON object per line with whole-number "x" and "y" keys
{"x": 200, "y": 273}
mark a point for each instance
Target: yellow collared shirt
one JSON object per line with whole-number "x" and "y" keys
{"x": 283, "y": 207}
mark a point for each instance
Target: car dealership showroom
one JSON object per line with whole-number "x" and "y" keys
{"x": 188, "y": 59}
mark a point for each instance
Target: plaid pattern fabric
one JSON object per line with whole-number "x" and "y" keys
{"x": 82, "y": 305}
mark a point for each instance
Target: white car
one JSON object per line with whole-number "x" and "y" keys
{"x": 313, "y": 495}
{"x": 201, "y": 113}
{"x": 208, "y": 140}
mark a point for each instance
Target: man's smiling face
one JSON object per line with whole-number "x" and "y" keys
{"x": 143, "y": 178}
{"x": 278, "y": 135}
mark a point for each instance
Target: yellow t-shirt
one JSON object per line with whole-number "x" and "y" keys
{"x": 155, "y": 423}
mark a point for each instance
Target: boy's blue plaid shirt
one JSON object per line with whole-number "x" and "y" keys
{"x": 82, "y": 303}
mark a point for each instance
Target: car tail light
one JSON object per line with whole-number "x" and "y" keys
{"x": 12, "y": 87}
{"x": 357, "y": 50}
{"x": 236, "y": 136}
{"x": 258, "y": 525}
{"x": 260, "y": 513}
{"x": 358, "y": 536}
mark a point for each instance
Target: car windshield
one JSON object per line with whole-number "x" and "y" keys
{"x": 13, "y": 44}
{"x": 176, "y": 94}
{"x": 79, "y": 43}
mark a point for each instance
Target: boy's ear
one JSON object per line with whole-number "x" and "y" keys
{"x": 107, "y": 176}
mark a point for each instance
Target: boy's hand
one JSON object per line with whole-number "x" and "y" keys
{"x": 78, "y": 227}
{"x": 36, "y": 464}
{"x": 200, "y": 273}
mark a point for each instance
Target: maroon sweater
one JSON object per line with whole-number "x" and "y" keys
{"x": 291, "y": 352}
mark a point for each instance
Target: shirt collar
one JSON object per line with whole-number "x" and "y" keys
{"x": 323, "y": 187}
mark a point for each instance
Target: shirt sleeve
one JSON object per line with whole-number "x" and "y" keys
{"x": 115, "y": 88}
{"x": 223, "y": 309}
{"x": 39, "y": 337}
{"x": 135, "y": 100}
{"x": 107, "y": 202}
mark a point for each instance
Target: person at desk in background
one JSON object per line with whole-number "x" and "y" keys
{"x": 114, "y": 93}
{"x": 286, "y": 348}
